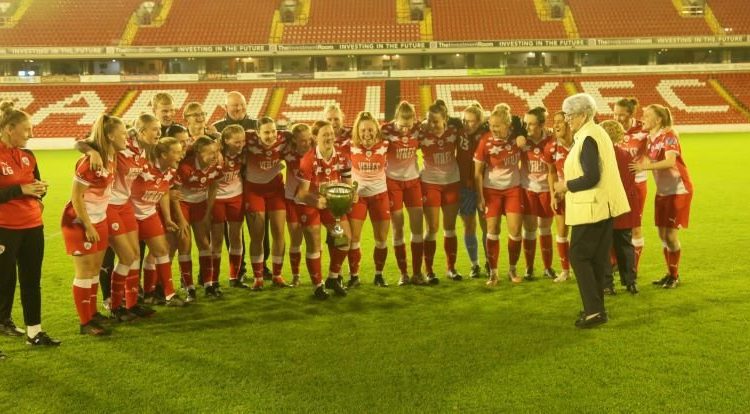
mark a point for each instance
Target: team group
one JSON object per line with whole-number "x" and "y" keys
{"x": 159, "y": 187}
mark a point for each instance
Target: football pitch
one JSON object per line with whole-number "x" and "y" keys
{"x": 454, "y": 347}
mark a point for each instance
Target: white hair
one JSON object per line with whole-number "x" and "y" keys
{"x": 580, "y": 103}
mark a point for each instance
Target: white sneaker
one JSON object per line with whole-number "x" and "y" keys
{"x": 563, "y": 276}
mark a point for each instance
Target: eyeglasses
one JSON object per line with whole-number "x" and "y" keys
{"x": 568, "y": 117}
{"x": 203, "y": 114}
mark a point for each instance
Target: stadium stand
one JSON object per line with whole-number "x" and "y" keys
{"x": 507, "y": 19}
{"x": 63, "y": 111}
{"x": 70, "y": 23}
{"x": 732, "y": 15}
{"x": 340, "y": 21}
{"x": 634, "y": 18}
{"x": 69, "y": 111}
{"x": 198, "y": 22}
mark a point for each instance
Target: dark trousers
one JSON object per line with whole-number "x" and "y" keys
{"x": 21, "y": 259}
{"x": 589, "y": 256}
{"x": 622, "y": 244}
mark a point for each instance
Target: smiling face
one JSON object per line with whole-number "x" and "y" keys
{"x": 436, "y": 123}
{"x": 267, "y": 134}
{"x": 325, "y": 139}
{"x": 560, "y": 127}
{"x": 498, "y": 128}
{"x": 196, "y": 118}
{"x": 368, "y": 132}
{"x": 18, "y": 134}
{"x": 164, "y": 113}
{"x": 236, "y": 106}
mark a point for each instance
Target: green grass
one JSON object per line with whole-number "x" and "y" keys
{"x": 455, "y": 347}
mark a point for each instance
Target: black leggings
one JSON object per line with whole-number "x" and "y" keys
{"x": 22, "y": 254}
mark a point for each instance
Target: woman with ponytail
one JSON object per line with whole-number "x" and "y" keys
{"x": 84, "y": 221}
{"x": 153, "y": 211}
{"x": 227, "y": 210}
{"x": 674, "y": 189}
{"x": 497, "y": 173}
{"x": 21, "y": 227}
{"x": 121, "y": 221}
{"x": 404, "y": 188}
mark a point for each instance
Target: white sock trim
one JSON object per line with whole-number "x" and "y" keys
{"x": 313, "y": 255}
{"x": 640, "y": 242}
{"x": 162, "y": 259}
{"x": 417, "y": 238}
{"x": 204, "y": 253}
{"x": 235, "y": 252}
{"x": 354, "y": 246}
{"x": 491, "y": 236}
{"x": 122, "y": 269}
{"x": 545, "y": 231}
{"x": 430, "y": 236}
{"x": 256, "y": 259}
{"x": 184, "y": 258}
{"x": 561, "y": 239}
{"x": 277, "y": 259}
{"x": 449, "y": 233}
{"x": 82, "y": 283}
{"x": 528, "y": 236}
{"x": 398, "y": 242}
{"x": 381, "y": 245}
{"x": 515, "y": 238}
{"x": 295, "y": 249}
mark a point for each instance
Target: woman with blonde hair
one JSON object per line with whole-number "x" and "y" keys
{"x": 21, "y": 227}
{"x": 497, "y": 173}
{"x": 674, "y": 189}
{"x": 368, "y": 160}
{"x": 404, "y": 188}
{"x": 84, "y": 221}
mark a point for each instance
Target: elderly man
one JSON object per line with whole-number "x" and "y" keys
{"x": 593, "y": 196}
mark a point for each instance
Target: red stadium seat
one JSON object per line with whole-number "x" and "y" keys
{"x": 732, "y": 14}
{"x": 634, "y": 18}
{"x": 341, "y": 21}
{"x": 70, "y": 23}
{"x": 198, "y": 22}
{"x": 491, "y": 20}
